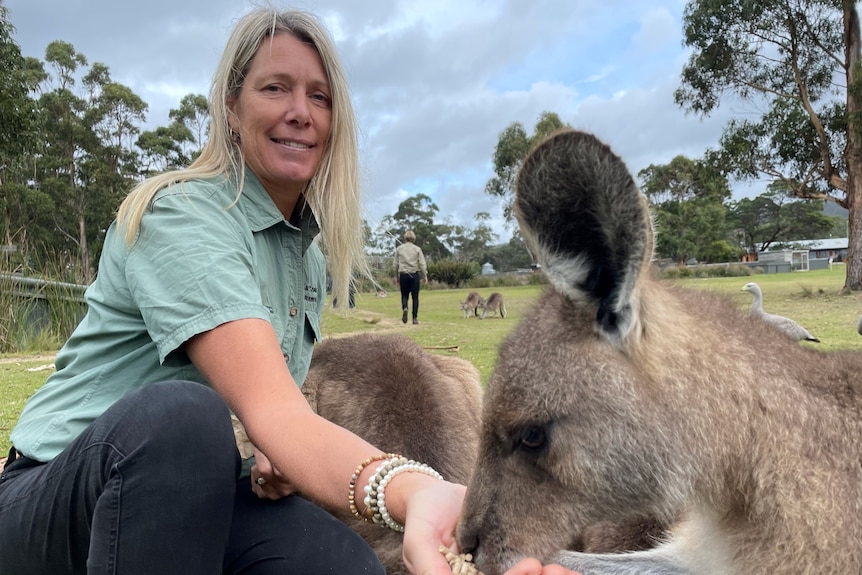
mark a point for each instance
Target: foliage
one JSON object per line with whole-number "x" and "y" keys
{"x": 70, "y": 148}
{"x": 453, "y": 273}
{"x": 732, "y": 270}
{"x": 510, "y": 256}
{"x": 512, "y": 147}
{"x": 686, "y": 198}
{"x": 772, "y": 217}
{"x": 798, "y": 61}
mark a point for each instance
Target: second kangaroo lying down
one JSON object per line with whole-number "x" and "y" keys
{"x": 625, "y": 397}
{"x": 402, "y": 399}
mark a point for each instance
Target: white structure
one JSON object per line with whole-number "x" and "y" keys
{"x": 798, "y": 259}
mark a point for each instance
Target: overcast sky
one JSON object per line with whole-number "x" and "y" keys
{"x": 434, "y": 82}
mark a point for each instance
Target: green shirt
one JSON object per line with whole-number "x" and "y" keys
{"x": 198, "y": 262}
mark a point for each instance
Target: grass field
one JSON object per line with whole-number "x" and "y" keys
{"x": 814, "y": 299}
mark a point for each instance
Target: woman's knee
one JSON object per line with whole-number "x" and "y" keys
{"x": 181, "y": 417}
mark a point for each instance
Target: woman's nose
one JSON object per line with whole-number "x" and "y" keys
{"x": 298, "y": 110}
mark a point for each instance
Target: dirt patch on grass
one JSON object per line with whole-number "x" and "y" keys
{"x": 28, "y": 358}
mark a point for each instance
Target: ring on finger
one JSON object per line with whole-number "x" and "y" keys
{"x": 260, "y": 481}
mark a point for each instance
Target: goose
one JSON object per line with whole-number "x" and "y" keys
{"x": 783, "y": 324}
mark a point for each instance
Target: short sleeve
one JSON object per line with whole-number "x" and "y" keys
{"x": 191, "y": 267}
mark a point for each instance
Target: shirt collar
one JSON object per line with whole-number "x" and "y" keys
{"x": 262, "y": 212}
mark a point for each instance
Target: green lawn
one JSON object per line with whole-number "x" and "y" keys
{"x": 814, "y": 299}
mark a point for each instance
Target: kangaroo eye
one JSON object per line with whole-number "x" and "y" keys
{"x": 531, "y": 439}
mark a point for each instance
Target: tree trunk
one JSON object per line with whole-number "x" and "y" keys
{"x": 83, "y": 248}
{"x": 853, "y": 152}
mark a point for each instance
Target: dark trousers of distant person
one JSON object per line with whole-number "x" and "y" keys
{"x": 153, "y": 486}
{"x": 410, "y": 288}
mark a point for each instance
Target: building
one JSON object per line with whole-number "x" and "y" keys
{"x": 802, "y": 255}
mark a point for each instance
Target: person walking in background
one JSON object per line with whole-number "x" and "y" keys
{"x": 409, "y": 264}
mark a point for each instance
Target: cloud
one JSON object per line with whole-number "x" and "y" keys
{"x": 433, "y": 82}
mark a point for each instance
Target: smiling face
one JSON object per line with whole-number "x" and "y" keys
{"x": 283, "y": 115}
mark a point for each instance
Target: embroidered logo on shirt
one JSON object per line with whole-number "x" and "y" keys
{"x": 310, "y": 294}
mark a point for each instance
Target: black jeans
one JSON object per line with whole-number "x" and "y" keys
{"x": 410, "y": 287}
{"x": 152, "y": 487}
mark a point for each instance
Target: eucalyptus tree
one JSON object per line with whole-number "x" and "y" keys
{"x": 87, "y": 162}
{"x": 418, "y": 213}
{"x": 798, "y": 61}
{"x": 687, "y": 199}
{"x": 18, "y": 136}
{"x": 512, "y": 147}
{"x": 774, "y": 217}
{"x": 193, "y": 115}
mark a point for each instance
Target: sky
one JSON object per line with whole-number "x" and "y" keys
{"x": 433, "y": 82}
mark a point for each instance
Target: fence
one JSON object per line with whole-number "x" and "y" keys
{"x": 38, "y": 307}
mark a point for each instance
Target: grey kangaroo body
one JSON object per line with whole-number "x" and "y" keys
{"x": 402, "y": 399}
{"x": 494, "y": 304}
{"x": 471, "y": 305}
{"x": 626, "y": 397}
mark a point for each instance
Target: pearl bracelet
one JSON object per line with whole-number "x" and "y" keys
{"x": 371, "y": 510}
{"x": 351, "y": 488}
{"x": 400, "y": 467}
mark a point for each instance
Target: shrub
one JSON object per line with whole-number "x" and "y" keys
{"x": 453, "y": 273}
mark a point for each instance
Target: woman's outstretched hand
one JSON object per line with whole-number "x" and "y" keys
{"x": 432, "y": 513}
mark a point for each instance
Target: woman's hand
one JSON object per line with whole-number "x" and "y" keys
{"x": 433, "y": 510}
{"x": 267, "y": 481}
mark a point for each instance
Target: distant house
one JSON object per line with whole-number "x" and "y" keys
{"x": 802, "y": 255}
{"x": 835, "y": 248}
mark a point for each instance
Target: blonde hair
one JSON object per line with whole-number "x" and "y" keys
{"x": 409, "y": 236}
{"x": 333, "y": 193}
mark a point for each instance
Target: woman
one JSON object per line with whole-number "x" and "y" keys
{"x": 123, "y": 462}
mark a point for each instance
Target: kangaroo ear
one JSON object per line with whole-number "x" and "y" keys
{"x": 584, "y": 219}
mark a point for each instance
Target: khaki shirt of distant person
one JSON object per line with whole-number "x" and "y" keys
{"x": 409, "y": 259}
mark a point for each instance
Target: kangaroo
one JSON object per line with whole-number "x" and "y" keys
{"x": 493, "y": 304}
{"x": 472, "y": 305}
{"x": 403, "y": 399}
{"x": 626, "y": 397}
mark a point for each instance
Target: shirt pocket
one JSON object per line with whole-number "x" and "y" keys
{"x": 312, "y": 333}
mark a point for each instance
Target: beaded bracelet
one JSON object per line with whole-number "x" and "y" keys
{"x": 351, "y": 492}
{"x": 374, "y": 483}
{"x": 408, "y": 466}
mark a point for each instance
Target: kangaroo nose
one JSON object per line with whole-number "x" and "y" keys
{"x": 468, "y": 543}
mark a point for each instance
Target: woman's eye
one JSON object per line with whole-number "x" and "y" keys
{"x": 321, "y": 99}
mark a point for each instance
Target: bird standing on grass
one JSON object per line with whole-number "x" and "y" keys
{"x": 784, "y": 324}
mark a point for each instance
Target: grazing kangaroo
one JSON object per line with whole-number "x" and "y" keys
{"x": 493, "y": 304}
{"x": 626, "y": 397}
{"x": 472, "y": 304}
